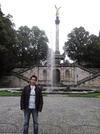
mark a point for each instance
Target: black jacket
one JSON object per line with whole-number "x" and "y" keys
{"x": 24, "y": 102}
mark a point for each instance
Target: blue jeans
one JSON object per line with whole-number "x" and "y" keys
{"x": 27, "y": 114}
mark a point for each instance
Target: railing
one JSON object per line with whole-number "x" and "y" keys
{"x": 94, "y": 75}
{"x": 22, "y": 70}
{"x": 21, "y": 76}
{"x": 86, "y": 69}
{"x": 88, "y": 78}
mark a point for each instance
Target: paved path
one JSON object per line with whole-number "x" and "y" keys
{"x": 60, "y": 115}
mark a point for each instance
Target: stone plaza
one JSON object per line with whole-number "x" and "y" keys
{"x": 61, "y": 115}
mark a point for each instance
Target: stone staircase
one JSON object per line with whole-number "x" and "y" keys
{"x": 21, "y": 70}
{"x": 93, "y": 75}
{"x": 20, "y": 76}
{"x": 88, "y": 78}
{"x": 93, "y": 71}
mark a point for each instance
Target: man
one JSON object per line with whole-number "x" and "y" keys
{"x": 31, "y": 103}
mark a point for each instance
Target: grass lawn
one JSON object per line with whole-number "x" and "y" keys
{"x": 91, "y": 88}
{"x": 91, "y": 95}
{"x": 6, "y": 93}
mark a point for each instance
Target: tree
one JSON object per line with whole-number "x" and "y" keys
{"x": 76, "y": 43}
{"x": 32, "y": 45}
{"x": 23, "y": 35}
{"x": 7, "y": 41}
{"x": 83, "y": 48}
{"x": 92, "y": 55}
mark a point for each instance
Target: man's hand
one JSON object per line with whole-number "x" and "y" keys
{"x": 23, "y": 110}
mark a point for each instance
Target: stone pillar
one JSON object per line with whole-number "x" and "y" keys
{"x": 57, "y": 21}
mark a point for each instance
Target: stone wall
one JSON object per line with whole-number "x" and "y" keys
{"x": 92, "y": 83}
{"x": 68, "y": 76}
{"x": 16, "y": 82}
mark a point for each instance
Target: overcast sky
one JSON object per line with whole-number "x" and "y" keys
{"x": 41, "y": 13}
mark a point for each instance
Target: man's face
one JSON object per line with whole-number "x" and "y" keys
{"x": 33, "y": 81}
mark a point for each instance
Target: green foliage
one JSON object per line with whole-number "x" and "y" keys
{"x": 82, "y": 47}
{"x": 32, "y": 45}
{"x": 75, "y": 45}
{"x": 24, "y": 47}
{"x": 93, "y": 51}
{"x": 7, "y": 41}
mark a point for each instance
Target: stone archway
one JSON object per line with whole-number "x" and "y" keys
{"x": 67, "y": 75}
{"x": 56, "y": 76}
{"x": 44, "y": 75}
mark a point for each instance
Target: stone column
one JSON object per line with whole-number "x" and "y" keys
{"x": 57, "y": 21}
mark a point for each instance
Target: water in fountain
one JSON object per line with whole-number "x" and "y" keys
{"x": 51, "y": 65}
{"x": 52, "y": 60}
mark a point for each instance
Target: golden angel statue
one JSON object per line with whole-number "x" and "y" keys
{"x": 57, "y": 10}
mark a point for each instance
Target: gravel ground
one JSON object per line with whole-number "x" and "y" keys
{"x": 60, "y": 115}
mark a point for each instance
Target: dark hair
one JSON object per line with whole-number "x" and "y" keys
{"x": 34, "y": 77}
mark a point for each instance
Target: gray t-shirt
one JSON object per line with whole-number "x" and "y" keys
{"x": 32, "y": 98}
